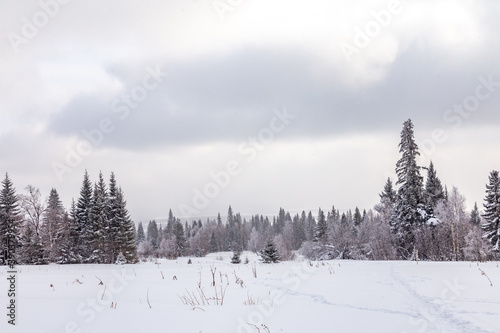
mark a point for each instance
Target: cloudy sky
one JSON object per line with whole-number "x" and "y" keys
{"x": 199, "y": 104}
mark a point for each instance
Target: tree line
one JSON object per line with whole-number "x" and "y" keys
{"x": 96, "y": 229}
{"x": 416, "y": 218}
{"x": 420, "y": 219}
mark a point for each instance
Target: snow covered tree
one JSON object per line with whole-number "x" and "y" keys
{"x": 299, "y": 231}
{"x": 236, "y": 258}
{"x": 10, "y": 221}
{"x": 320, "y": 234}
{"x": 124, "y": 240}
{"x": 152, "y": 234}
{"x": 492, "y": 211}
{"x": 99, "y": 214}
{"x": 357, "y": 217}
{"x": 433, "y": 190}
{"x": 141, "y": 237}
{"x": 409, "y": 213}
{"x": 180, "y": 238}
{"x": 475, "y": 216}
{"x": 31, "y": 251}
{"x": 270, "y": 253}
{"x": 83, "y": 221}
{"x": 53, "y": 225}
{"x": 65, "y": 239}
{"x": 448, "y": 241}
{"x": 32, "y": 208}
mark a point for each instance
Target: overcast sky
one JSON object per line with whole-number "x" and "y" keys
{"x": 262, "y": 104}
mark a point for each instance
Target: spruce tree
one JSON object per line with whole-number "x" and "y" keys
{"x": 141, "y": 237}
{"x": 125, "y": 237}
{"x": 357, "y": 217}
{"x": 114, "y": 219}
{"x": 236, "y": 258}
{"x": 492, "y": 211}
{"x": 65, "y": 239}
{"x": 152, "y": 234}
{"x": 475, "y": 216}
{"x": 433, "y": 190}
{"x": 10, "y": 222}
{"x": 321, "y": 234}
{"x": 270, "y": 253}
{"x": 213, "y": 243}
{"x": 387, "y": 200}
{"x": 84, "y": 240}
{"x": 53, "y": 225}
{"x": 388, "y": 194}
{"x": 409, "y": 213}
{"x": 180, "y": 238}
{"x": 99, "y": 220}
{"x": 31, "y": 251}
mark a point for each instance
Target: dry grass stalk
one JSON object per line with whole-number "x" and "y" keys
{"x": 483, "y": 273}
{"x": 103, "y": 292}
{"x": 147, "y": 298}
{"x": 254, "y": 270}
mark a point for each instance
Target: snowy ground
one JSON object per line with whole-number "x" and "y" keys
{"x": 333, "y": 296}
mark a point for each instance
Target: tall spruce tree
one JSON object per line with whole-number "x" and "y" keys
{"x": 114, "y": 219}
{"x": 10, "y": 222}
{"x": 125, "y": 238}
{"x": 475, "y": 216}
{"x": 152, "y": 234}
{"x": 492, "y": 211}
{"x": 83, "y": 222}
{"x": 433, "y": 190}
{"x": 357, "y": 218}
{"x": 53, "y": 225}
{"x": 321, "y": 233}
{"x": 409, "y": 213}
{"x": 99, "y": 217}
{"x": 141, "y": 236}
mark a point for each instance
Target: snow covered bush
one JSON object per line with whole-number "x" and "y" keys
{"x": 120, "y": 259}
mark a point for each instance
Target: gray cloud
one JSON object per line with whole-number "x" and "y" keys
{"x": 228, "y": 98}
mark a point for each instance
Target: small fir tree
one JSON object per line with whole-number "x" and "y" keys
{"x": 236, "y": 259}
{"x": 270, "y": 253}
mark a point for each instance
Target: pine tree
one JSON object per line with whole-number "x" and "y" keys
{"x": 99, "y": 214}
{"x": 53, "y": 225}
{"x": 114, "y": 219}
{"x": 180, "y": 238}
{"x": 10, "y": 222}
{"x": 492, "y": 211}
{"x": 433, "y": 190}
{"x": 387, "y": 200}
{"x": 152, "y": 235}
{"x": 475, "y": 216}
{"x": 125, "y": 238}
{"x": 213, "y": 243}
{"x": 141, "y": 237}
{"x": 409, "y": 213}
{"x": 321, "y": 234}
{"x": 270, "y": 253}
{"x": 31, "y": 251}
{"x": 388, "y": 194}
{"x": 357, "y": 218}
{"x": 66, "y": 238}
{"x": 83, "y": 221}
{"x": 236, "y": 258}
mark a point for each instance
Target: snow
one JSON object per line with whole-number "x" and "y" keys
{"x": 296, "y": 296}
{"x": 433, "y": 221}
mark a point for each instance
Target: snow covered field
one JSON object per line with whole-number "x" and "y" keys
{"x": 299, "y": 296}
